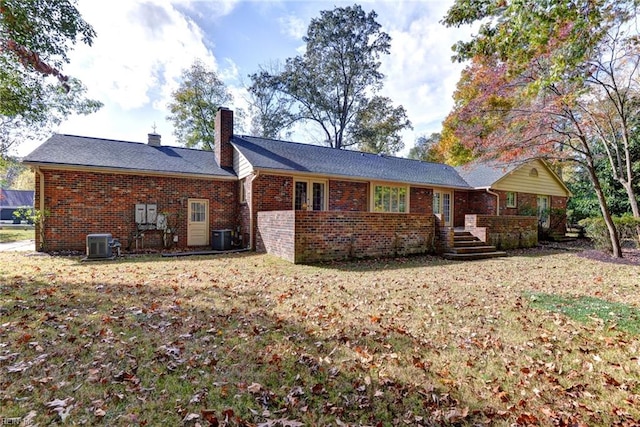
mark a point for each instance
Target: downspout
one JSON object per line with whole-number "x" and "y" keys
{"x": 251, "y": 220}
{"x": 497, "y": 200}
{"x": 41, "y": 205}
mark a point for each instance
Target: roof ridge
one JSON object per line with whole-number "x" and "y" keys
{"x": 343, "y": 150}
{"x": 130, "y": 142}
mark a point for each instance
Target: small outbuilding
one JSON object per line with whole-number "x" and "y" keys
{"x": 12, "y": 200}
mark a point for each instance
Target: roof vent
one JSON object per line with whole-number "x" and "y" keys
{"x": 154, "y": 139}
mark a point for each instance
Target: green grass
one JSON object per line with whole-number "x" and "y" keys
{"x": 587, "y": 309}
{"x": 8, "y": 235}
{"x": 249, "y": 339}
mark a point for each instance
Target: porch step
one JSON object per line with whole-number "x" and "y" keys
{"x": 463, "y": 236}
{"x": 482, "y": 248}
{"x": 466, "y": 246}
{"x": 468, "y": 243}
{"x": 472, "y": 256}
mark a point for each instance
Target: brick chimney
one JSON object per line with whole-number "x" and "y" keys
{"x": 224, "y": 131}
{"x": 154, "y": 139}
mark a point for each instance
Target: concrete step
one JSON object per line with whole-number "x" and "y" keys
{"x": 465, "y": 238}
{"x": 468, "y": 243}
{"x": 472, "y": 257}
{"x": 474, "y": 249}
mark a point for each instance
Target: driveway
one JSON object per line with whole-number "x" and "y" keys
{"x": 22, "y": 246}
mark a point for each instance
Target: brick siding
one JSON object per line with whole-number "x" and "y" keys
{"x": 421, "y": 200}
{"x": 82, "y": 203}
{"x": 348, "y": 196}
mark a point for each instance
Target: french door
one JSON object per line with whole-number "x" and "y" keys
{"x": 442, "y": 205}
{"x": 310, "y": 195}
{"x": 543, "y": 211}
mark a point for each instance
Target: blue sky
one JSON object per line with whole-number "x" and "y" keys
{"x": 142, "y": 47}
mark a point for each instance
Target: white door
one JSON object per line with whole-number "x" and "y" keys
{"x": 198, "y": 223}
{"x": 543, "y": 211}
{"x": 442, "y": 206}
{"x": 309, "y": 195}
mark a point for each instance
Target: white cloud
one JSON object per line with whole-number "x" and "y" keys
{"x": 133, "y": 65}
{"x": 419, "y": 71}
{"x": 293, "y": 26}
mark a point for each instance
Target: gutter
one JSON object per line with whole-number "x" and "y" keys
{"x": 488, "y": 190}
{"x": 256, "y": 174}
{"x": 122, "y": 171}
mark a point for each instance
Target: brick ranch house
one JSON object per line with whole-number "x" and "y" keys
{"x": 301, "y": 202}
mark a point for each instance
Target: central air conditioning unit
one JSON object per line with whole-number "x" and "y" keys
{"x": 99, "y": 246}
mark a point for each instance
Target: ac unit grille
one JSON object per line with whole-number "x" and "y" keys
{"x": 99, "y": 246}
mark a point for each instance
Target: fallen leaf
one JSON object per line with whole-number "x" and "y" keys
{"x": 190, "y": 417}
{"x": 254, "y": 388}
{"x": 284, "y": 422}
{"x": 57, "y": 403}
{"x": 18, "y": 367}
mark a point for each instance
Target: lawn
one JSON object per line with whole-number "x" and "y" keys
{"x": 537, "y": 338}
{"x": 16, "y": 234}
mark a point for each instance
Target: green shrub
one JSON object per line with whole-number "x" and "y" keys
{"x": 627, "y": 227}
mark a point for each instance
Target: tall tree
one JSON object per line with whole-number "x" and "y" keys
{"x": 526, "y": 89}
{"x": 424, "y": 148}
{"x": 35, "y": 39}
{"x": 337, "y": 75}
{"x": 53, "y": 105}
{"x": 611, "y": 108}
{"x": 195, "y": 103}
{"x": 269, "y": 108}
{"x": 378, "y": 127}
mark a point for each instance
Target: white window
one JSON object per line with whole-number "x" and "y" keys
{"x": 243, "y": 191}
{"x": 389, "y": 198}
{"x": 512, "y": 200}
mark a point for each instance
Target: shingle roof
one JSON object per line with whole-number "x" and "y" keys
{"x": 16, "y": 198}
{"x": 69, "y": 150}
{"x": 484, "y": 175}
{"x": 294, "y": 157}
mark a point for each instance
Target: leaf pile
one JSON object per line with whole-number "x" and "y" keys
{"x": 249, "y": 340}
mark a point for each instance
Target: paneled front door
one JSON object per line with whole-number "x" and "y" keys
{"x": 198, "y": 223}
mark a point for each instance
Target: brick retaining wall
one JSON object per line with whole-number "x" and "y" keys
{"x": 505, "y": 231}
{"x": 326, "y": 235}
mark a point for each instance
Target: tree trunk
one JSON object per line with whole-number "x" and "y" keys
{"x": 628, "y": 187}
{"x": 633, "y": 201}
{"x": 611, "y": 228}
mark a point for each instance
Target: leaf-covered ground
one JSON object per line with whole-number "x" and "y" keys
{"x": 537, "y": 338}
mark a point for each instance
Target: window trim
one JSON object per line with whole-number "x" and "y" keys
{"x": 514, "y": 202}
{"x": 372, "y": 204}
